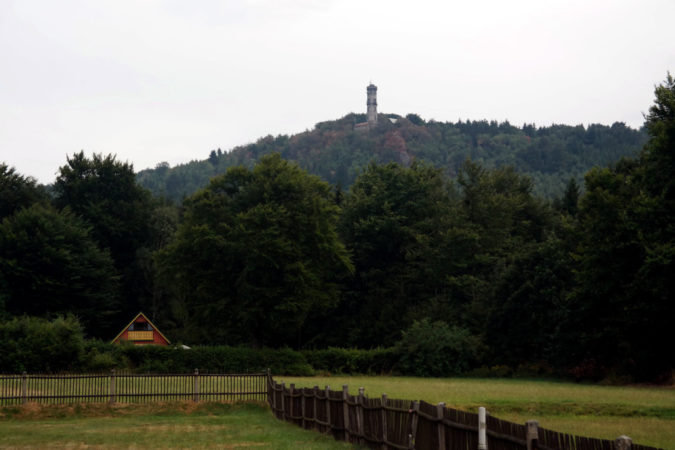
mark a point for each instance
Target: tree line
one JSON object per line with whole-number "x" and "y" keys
{"x": 455, "y": 272}
{"x": 549, "y": 155}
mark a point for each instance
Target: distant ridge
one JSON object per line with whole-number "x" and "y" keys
{"x": 335, "y": 152}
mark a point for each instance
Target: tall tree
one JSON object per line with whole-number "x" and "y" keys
{"x": 18, "y": 191}
{"x": 104, "y": 192}
{"x": 395, "y": 222}
{"x": 257, "y": 252}
{"x": 49, "y": 265}
{"x": 624, "y": 299}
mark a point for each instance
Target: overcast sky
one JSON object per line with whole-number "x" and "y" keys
{"x": 154, "y": 80}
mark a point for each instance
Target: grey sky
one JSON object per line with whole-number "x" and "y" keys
{"x": 171, "y": 80}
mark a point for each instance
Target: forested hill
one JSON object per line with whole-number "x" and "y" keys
{"x": 334, "y": 151}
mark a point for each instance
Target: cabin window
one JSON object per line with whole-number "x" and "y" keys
{"x": 140, "y": 326}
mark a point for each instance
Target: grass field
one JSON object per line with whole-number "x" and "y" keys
{"x": 172, "y": 425}
{"x": 646, "y": 414}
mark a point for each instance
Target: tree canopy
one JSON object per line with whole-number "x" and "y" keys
{"x": 50, "y": 265}
{"x": 257, "y": 251}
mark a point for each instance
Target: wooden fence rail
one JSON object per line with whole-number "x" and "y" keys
{"x": 131, "y": 388}
{"x": 385, "y": 423}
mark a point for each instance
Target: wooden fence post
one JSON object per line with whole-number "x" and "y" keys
{"x": 532, "y": 434}
{"x": 24, "y": 387}
{"x": 272, "y": 396}
{"x": 440, "y": 427}
{"x": 283, "y": 402}
{"x": 482, "y": 429}
{"x": 290, "y": 406}
{"x": 302, "y": 407}
{"x": 359, "y": 417}
{"x": 330, "y": 424}
{"x": 315, "y": 393}
{"x": 345, "y": 410}
{"x": 623, "y": 443}
{"x": 271, "y": 393}
{"x": 195, "y": 392}
{"x": 384, "y": 422}
{"x": 112, "y": 386}
{"x": 413, "y": 426}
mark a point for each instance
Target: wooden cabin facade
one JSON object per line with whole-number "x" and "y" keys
{"x": 141, "y": 331}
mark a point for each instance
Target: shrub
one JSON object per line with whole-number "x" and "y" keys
{"x": 352, "y": 361}
{"x": 213, "y": 359}
{"x": 33, "y": 344}
{"x": 436, "y": 349}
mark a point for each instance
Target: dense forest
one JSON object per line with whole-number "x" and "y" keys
{"x": 457, "y": 268}
{"x": 550, "y": 156}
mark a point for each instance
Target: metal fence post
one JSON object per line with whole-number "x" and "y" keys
{"x": 196, "y": 388}
{"x": 112, "y": 386}
{"x": 482, "y": 429}
{"x": 440, "y": 427}
{"x": 532, "y": 434}
{"x": 623, "y": 443}
{"x": 24, "y": 387}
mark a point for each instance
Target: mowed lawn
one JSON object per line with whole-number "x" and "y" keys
{"x": 646, "y": 414}
{"x": 178, "y": 425}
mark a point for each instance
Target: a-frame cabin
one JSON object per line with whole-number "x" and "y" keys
{"x": 141, "y": 331}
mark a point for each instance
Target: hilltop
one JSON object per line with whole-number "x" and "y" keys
{"x": 334, "y": 151}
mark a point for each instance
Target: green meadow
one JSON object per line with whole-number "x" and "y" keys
{"x": 646, "y": 414}
{"x": 177, "y": 425}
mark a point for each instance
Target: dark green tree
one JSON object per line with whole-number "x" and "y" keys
{"x": 18, "y": 191}
{"x": 49, "y": 265}
{"x": 499, "y": 209}
{"x": 396, "y": 224}
{"x": 624, "y": 298}
{"x": 104, "y": 192}
{"x": 570, "y": 199}
{"x": 38, "y": 345}
{"x": 257, "y": 253}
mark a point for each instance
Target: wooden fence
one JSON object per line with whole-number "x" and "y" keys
{"x": 385, "y": 423}
{"x": 131, "y": 388}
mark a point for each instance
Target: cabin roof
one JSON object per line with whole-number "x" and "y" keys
{"x": 140, "y": 314}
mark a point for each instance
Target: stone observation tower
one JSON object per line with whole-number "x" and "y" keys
{"x": 371, "y": 112}
{"x": 372, "y": 104}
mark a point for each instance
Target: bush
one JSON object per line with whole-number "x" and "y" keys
{"x": 436, "y": 349}
{"x": 214, "y": 359}
{"x": 352, "y": 361}
{"x": 34, "y": 345}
